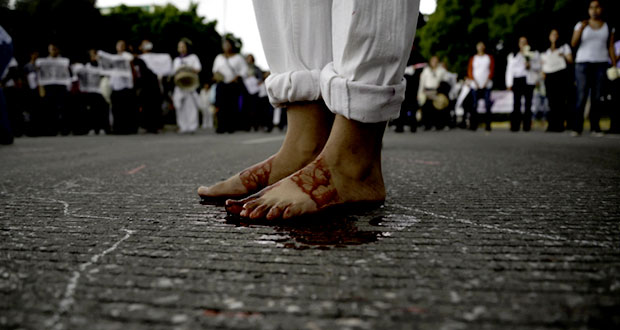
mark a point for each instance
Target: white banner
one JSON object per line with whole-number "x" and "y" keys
{"x": 53, "y": 71}
{"x": 114, "y": 65}
{"x": 88, "y": 77}
{"x": 160, "y": 64}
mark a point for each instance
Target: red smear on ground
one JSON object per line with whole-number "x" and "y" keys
{"x": 136, "y": 170}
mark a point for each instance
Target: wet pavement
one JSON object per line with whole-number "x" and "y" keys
{"x": 479, "y": 231}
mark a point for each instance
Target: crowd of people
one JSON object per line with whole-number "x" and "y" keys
{"x": 567, "y": 75}
{"x": 135, "y": 87}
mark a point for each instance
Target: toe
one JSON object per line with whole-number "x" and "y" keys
{"x": 275, "y": 212}
{"x": 203, "y": 191}
{"x": 234, "y": 207}
{"x": 259, "y": 212}
{"x": 291, "y": 211}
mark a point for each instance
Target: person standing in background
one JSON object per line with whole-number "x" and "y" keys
{"x": 124, "y": 105}
{"x": 433, "y": 113}
{"x": 522, "y": 75}
{"x": 229, "y": 69}
{"x": 594, "y": 40}
{"x": 55, "y": 79}
{"x": 557, "y": 81}
{"x": 185, "y": 99}
{"x": 6, "y": 53}
{"x": 480, "y": 72}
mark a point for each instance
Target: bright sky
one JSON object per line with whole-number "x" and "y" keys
{"x": 235, "y": 16}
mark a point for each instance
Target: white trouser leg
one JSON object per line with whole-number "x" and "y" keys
{"x": 350, "y": 53}
{"x": 185, "y": 104}
{"x": 371, "y": 43}
{"x": 296, "y": 37}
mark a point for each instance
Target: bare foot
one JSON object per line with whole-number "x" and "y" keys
{"x": 347, "y": 171}
{"x": 309, "y": 127}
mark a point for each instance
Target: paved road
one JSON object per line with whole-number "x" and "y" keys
{"x": 499, "y": 231}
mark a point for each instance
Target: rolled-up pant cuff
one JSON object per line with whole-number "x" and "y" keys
{"x": 360, "y": 101}
{"x": 293, "y": 86}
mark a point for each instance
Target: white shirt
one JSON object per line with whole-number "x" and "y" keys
{"x": 430, "y": 80}
{"x": 190, "y": 61}
{"x": 593, "y": 45}
{"x": 516, "y": 68}
{"x": 119, "y": 81}
{"x": 555, "y": 60}
{"x": 481, "y": 69}
{"x": 230, "y": 67}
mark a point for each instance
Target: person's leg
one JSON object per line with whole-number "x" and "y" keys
{"x": 487, "y": 105}
{"x": 296, "y": 37}
{"x": 597, "y": 80}
{"x": 473, "y": 117}
{"x": 515, "y": 116}
{"x": 582, "y": 96}
{"x": 364, "y": 87}
{"x": 527, "y": 114}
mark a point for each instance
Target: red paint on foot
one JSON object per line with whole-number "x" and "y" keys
{"x": 257, "y": 176}
{"x": 315, "y": 181}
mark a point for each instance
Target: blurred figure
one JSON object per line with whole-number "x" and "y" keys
{"x": 615, "y": 87}
{"x": 124, "y": 104}
{"x": 12, "y": 83}
{"x": 148, "y": 90}
{"x": 55, "y": 79}
{"x": 557, "y": 81}
{"x": 252, "y": 81}
{"x": 96, "y": 105}
{"x": 6, "y": 53}
{"x": 522, "y": 74}
{"x": 432, "y": 97}
{"x": 229, "y": 68}
{"x": 594, "y": 42}
{"x": 207, "y": 98}
{"x": 186, "y": 68}
{"x": 480, "y": 72}
{"x": 32, "y": 99}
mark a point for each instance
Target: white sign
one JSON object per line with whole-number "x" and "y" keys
{"x": 89, "y": 78}
{"x": 53, "y": 71}
{"x": 114, "y": 65}
{"x": 160, "y": 64}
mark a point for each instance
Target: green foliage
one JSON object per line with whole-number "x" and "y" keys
{"x": 453, "y": 30}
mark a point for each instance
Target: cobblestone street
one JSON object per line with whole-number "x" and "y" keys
{"x": 479, "y": 231}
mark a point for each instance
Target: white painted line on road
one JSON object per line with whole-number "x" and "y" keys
{"x": 264, "y": 140}
{"x": 68, "y": 299}
{"x": 502, "y": 229}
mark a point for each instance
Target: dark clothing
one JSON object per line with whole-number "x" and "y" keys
{"x": 431, "y": 117}
{"x": 53, "y": 115}
{"x": 98, "y": 111}
{"x": 227, "y": 101}
{"x": 477, "y": 94}
{"x": 124, "y": 112}
{"x": 149, "y": 97}
{"x": 521, "y": 89}
{"x": 558, "y": 88}
{"x": 589, "y": 78}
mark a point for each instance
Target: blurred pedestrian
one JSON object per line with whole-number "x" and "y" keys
{"x": 594, "y": 40}
{"x": 207, "y": 98}
{"x": 6, "y": 53}
{"x": 54, "y": 78}
{"x": 186, "y": 68}
{"x": 480, "y": 73}
{"x": 522, "y": 75}
{"x": 229, "y": 68}
{"x": 558, "y": 80}
{"x": 148, "y": 90}
{"x": 124, "y": 103}
{"x": 32, "y": 99}
{"x": 615, "y": 87}
{"x": 432, "y": 97}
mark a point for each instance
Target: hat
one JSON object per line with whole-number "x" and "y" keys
{"x": 441, "y": 101}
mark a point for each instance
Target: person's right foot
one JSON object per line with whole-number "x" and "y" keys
{"x": 309, "y": 126}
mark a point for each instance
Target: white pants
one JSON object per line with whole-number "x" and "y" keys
{"x": 186, "y": 107}
{"x": 351, "y": 54}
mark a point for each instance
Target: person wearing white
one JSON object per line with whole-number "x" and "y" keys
{"x": 54, "y": 77}
{"x": 229, "y": 70}
{"x": 480, "y": 72}
{"x": 430, "y": 79}
{"x": 343, "y": 57}
{"x": 186, "y": 101}
{"x": 594, "y": 41}
{"x": 522, "y": 75}
{"x": 207, "y": 98}
{"x": 557, "y": 81}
